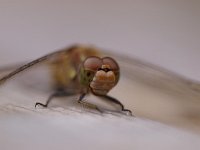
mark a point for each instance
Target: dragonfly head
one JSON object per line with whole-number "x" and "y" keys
{"x": 100, "y": 74}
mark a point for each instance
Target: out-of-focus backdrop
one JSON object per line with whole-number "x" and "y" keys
{"x": 165, "y": 33}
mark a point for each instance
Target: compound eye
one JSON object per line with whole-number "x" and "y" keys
{"x": 92, "y": 63}
{"x": 111, "y": 62}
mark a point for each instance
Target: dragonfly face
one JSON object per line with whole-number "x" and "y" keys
{"x": 99, "y": 74}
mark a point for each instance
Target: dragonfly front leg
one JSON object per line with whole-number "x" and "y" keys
{"x": 56, "y": 94}
{"x": 80, "y": 101}
{"x": 114, "y": 100}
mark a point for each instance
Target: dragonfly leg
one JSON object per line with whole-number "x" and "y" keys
{"x": 56, "y": 94}
{"x": 114, "y": 100}
{"x": 89, "y": 105}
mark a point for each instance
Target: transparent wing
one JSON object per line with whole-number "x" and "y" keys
{"x": 34, "y": 62}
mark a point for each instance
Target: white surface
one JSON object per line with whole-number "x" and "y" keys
{"x": 165, "y": 33}
{"x": 86, "y": 131}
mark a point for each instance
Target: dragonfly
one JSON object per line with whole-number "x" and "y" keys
{"x": 82, "y": 69}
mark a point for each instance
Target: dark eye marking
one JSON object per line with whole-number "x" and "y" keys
{"x": 88, "y": 74}
{"x": 104, "y": 69}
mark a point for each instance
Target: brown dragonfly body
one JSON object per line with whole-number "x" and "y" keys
{"x": 79, "y": 70}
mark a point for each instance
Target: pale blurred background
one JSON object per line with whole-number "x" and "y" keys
{"x": 165, "y": 33}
